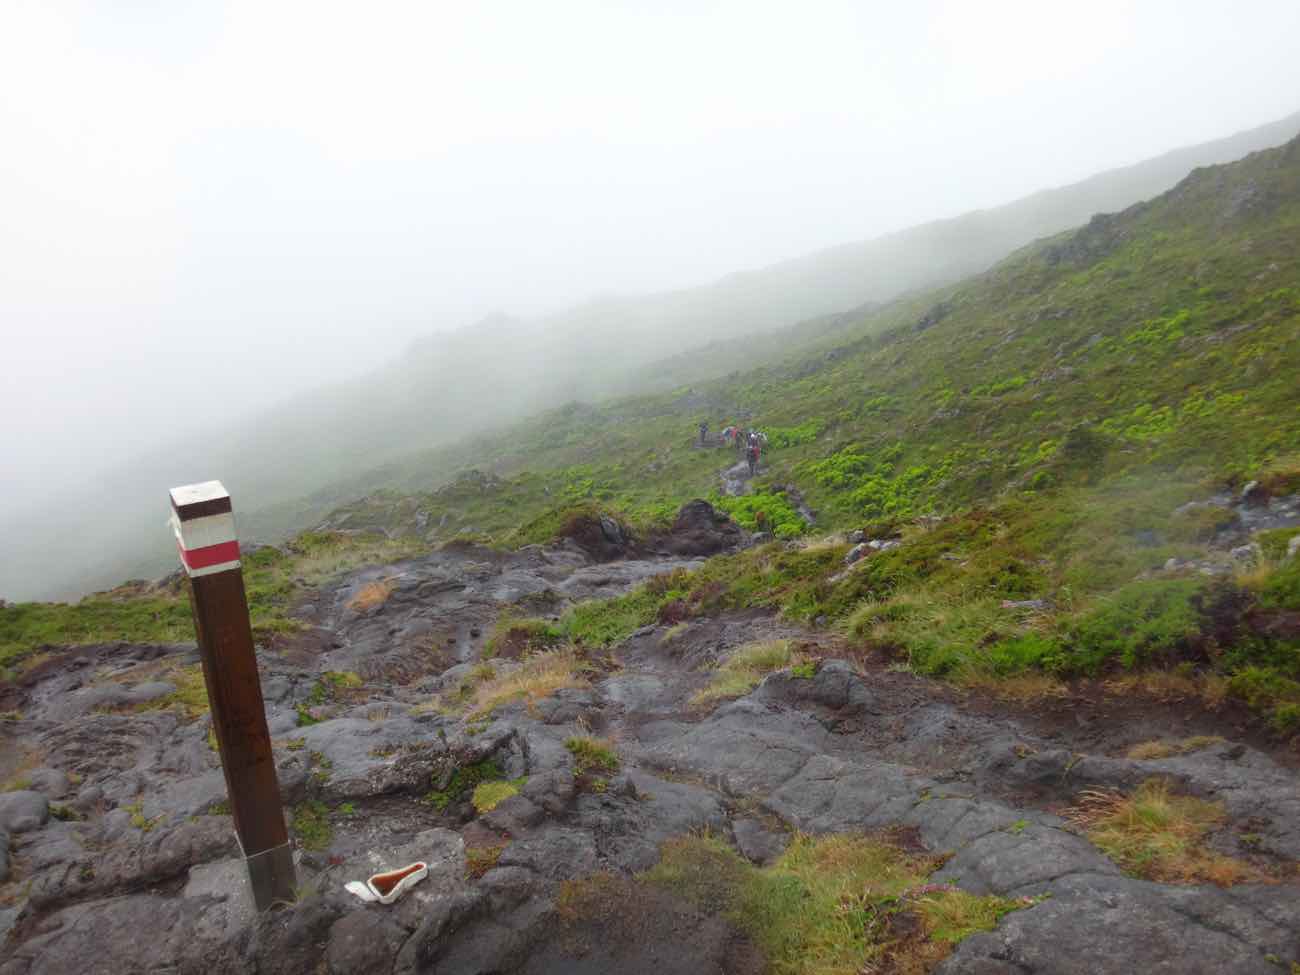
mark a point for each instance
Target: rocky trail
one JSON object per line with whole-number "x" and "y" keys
{"x": 120, "y": 857}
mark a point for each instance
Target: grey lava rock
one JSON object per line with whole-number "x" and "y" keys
{"x": 833, "y": 686}
{"x": 1109, "y": 923}
{"x": 1247, "y": 554}
{"x": 857, "y": 552}
{"x": 556, "y": 853}
{"x": 757, "y": 842}
{"x": 364, "y": 943}
{"x": 700, "y": 529}
{"x": 24, "y": 810}
{"x": 1035, "y": 605}
{"x": 51, "y": 782}
{"x": 1253, "y": 493}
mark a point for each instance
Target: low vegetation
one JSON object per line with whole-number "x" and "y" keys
{"x": 480, "y": 859}
{"x": 740, "y": 673}
{"x": 333, "y": 686}
{"x": 537, "y": 677}
{"x": 139, "y": 612}
{"x": 139, "y": 618}
{"x": 464, "y": 781}
{"x": 514, "y": 637}
{"x": 592, "y": 755}
{"x": 833, "y": 905}
{"x": 311, "y": 827}
{"x": 1156, "y": 834}
{"x": 488, "y": 795}
{"x": 1041, "y": 439}
{"x": 1169, "y": 748}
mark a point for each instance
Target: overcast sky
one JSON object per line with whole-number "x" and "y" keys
{"x": 207, "y": 206}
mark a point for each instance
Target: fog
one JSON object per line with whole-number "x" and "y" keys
{"x": 209, "y": 208}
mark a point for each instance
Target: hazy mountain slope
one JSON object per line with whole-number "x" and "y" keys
{"x": 1169, "y": 332}
{"x": 500, "y": 370}
{"x": 1055, "y": 449}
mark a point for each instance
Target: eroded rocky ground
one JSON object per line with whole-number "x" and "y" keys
{"x": 120, "y": 859}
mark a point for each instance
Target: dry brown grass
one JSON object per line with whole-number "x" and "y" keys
{"x": 537, "y": 677}
{"x": 1169, "y": 748}
{"x": 1167, "y": 686}
{"x": 741, "y": 672}
{"x": 480, "y": 859}
{"x": 1157, "y": 835}
{"x": 372, "y": 594}
{"x": 1023, "y": 688}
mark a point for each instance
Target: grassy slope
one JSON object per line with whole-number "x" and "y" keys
{"x": 142, "y": 613}
{"x": 1057, "y": 410}
{"x": 1169, "y": 330}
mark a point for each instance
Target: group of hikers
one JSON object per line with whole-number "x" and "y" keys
{"x": 748, "y": 441}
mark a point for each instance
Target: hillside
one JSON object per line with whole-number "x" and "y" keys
{"x": 1074, "y": 424}
{"x": 503, "y": 369}
{"x": 1077, "y": 416}
{"x": 1167, "y": 329}
{"x": 993, "y": 666}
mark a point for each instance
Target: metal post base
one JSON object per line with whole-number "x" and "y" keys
{"x": 272, "y": 878}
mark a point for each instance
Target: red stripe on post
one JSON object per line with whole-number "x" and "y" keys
{"x": 201, "y": 558}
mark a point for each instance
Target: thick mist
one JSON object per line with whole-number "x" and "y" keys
{"x": 251, "y": 241}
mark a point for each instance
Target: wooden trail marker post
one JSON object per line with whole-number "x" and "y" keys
{"x": 204, "y": 521}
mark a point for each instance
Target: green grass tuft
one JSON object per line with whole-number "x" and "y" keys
{"x": 829, "y": 905}
{"x": 464, "y": 781}
{"x": 592, "y": 754}
{"x": 311, "y": 825}
{"x": 488, "y": 795}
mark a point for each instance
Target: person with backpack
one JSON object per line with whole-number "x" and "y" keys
{"x": 704, "y": 431}
{"x": 755, "y": 448}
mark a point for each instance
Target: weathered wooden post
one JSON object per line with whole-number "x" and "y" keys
{"x": 204, "y": 522}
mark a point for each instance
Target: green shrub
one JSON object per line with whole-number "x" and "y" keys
{"x": 1146, "y": 622}
{"x": 768, "y": 511}
{"x": 1274, "y": 543}
{"x": 1286, "y": 718}
{"x": 1280, "y": 589}
{"x": 793, "y": 436}
{"x": 1263, "y": 688}
{"x": 1027, "y": 651}
{"x": 603, "y": 622}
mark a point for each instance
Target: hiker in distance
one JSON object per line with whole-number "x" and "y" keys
{"x": 704, "y": 431}
{"x": 755, "y": 447}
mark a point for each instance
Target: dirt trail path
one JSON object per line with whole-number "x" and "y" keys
{"x": 146, "y": 845}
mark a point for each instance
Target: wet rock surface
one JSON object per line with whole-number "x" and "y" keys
{"x": 141, "y": 841}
